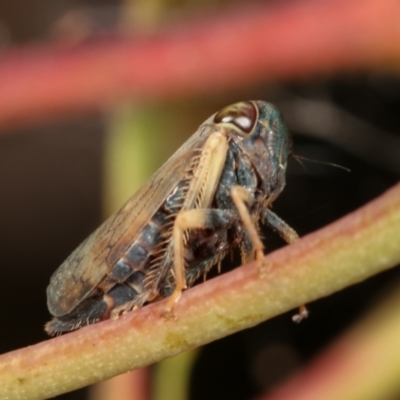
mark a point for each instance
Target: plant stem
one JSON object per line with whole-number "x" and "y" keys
{"x": 348, "y": 251}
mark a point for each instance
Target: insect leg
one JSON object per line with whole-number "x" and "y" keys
{"x": 289, "y": 235}
{"x": 241, "y": 198}
{"x": 186, "y": 220}
{"x": 195, "y": 212}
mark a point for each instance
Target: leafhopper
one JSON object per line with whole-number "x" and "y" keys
{"x": 206, "y": 200}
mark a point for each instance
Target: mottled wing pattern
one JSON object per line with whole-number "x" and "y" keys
{"x": 88, "y": 265}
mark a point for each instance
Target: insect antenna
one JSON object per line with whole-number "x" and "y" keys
{"x": 300, "y": 160}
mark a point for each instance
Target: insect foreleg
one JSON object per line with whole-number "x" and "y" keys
{"x": 242, "y": 198}
{"x": 287, "y": 233}
{"x": 192, "y": 219}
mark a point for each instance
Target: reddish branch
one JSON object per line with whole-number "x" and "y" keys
{"x": 231, "y": 51}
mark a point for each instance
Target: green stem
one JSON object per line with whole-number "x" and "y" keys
{"x": 346, "y": 252}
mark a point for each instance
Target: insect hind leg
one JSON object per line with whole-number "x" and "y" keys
{"x": 186, "y": 220}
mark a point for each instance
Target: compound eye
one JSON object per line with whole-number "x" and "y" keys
{"x": 243, "y": 115}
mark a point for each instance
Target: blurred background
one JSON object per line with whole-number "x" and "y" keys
{"x": 61, "y": 177}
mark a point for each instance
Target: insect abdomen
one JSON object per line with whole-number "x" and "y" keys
{"x": 124, "y": 282}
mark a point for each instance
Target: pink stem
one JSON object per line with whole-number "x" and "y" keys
{"x": 242, "y": 48}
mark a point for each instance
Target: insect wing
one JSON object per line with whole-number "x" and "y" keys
{"x": 89, "y": 264}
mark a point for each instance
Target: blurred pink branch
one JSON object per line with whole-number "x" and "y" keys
{"x": 240, "y": 48}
